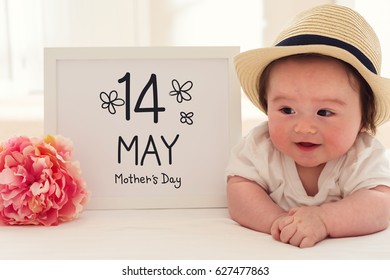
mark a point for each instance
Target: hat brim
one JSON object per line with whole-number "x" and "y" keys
{"x": 251, "y": 64}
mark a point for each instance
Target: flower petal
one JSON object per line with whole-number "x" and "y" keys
{"x": 39, "y": 184}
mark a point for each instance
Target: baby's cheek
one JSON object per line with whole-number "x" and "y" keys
{"x": 278, "y": 137}
{"x": 338, "y": 145}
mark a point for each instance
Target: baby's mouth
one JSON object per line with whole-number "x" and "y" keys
{"x": 307, "y": 146}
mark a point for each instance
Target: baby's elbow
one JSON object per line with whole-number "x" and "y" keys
{"x": 234, "y": 215}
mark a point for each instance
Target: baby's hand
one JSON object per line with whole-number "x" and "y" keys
{"x": 279, "y": 223}
{"x": 306, "y": 229}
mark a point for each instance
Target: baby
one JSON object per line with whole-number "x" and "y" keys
{"x": 314, "y": 169}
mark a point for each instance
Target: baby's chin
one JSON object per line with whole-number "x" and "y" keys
{"x": 308, "y": 164}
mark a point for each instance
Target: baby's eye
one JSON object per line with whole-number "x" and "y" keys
{"x": 325, "y": 113}
{"x": 287, "y": 110}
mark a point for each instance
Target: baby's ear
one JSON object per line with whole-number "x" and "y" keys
{"x": 363, "y": 128}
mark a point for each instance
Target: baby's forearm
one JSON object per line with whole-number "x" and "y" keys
{"x": 250, "y": 205}
{"x": 363, "y": 212}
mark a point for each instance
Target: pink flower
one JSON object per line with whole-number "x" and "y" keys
{"x": 39, "y": 184}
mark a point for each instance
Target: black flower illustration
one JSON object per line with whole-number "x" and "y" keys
{"x": 110, "y": 101}
{"x": 186, "y": 118}
{"x": 181, "y": 91}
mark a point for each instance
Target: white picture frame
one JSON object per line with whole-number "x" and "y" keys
{"x": 152, "y": 127}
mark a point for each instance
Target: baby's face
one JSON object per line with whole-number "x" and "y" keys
{"x": 313, "y": 108}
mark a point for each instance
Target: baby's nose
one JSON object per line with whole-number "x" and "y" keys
{"x": 305, "y": 126}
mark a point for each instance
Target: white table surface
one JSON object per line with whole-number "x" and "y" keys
{"x": 171, "y": 234}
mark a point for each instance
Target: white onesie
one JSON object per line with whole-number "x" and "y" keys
{"x": 365, "y": 165}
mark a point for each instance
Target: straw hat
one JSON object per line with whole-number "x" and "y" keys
{"x": 330, "y": 30}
